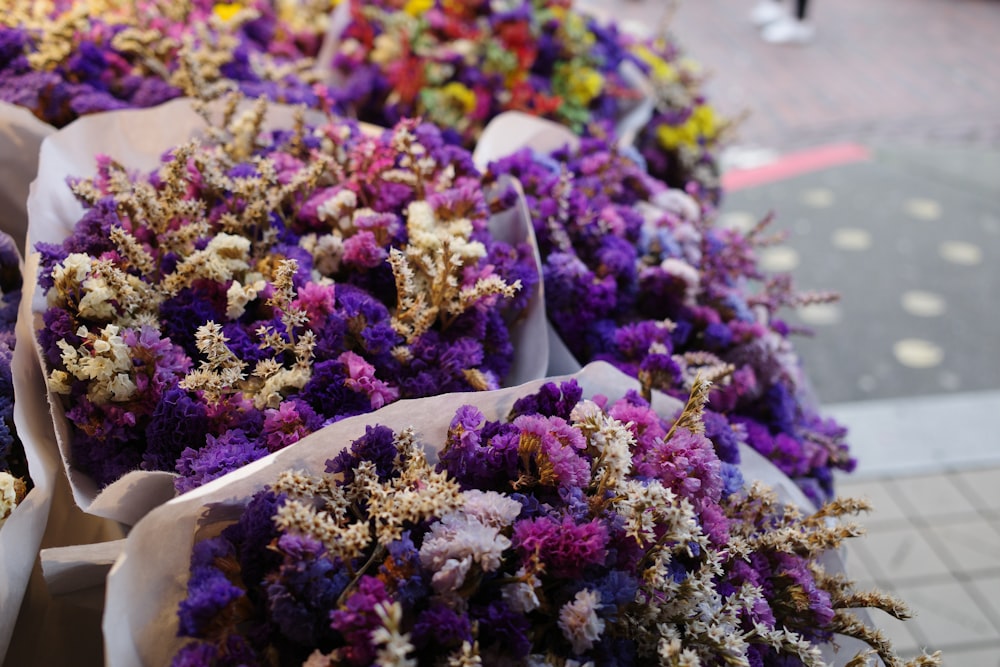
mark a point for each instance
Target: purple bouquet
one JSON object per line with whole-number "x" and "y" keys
{"x": 461, "y": 64}
{"x": 14, "y": 480}
{"x": 68, "y": 58}
{"x": 570, "y": 532}
{"x": 261, "y": 285}
{"x": 636, "y": 275}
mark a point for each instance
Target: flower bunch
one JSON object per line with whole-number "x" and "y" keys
{"x": 460, "y": 64}
{"x": 637, "y": 275}
{"x": 681, "y": 142}
{"x": 14, "y": 479}
{"x": 65, "y": 58}
{"x": 573, "y": 532}
{"x": 260, "y": 285}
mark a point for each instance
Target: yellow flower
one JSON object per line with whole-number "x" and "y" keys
{"x": 702, "y": 123}
{"x": 705, "y": 121}
{"x": 661, "y": 69}
{"x": 461, "y": 94}
{"x": 227, "y": 10}
{"x": 417, "y": 7}
{"x": 670, "y": 137}
{"x": 583, "y": 85}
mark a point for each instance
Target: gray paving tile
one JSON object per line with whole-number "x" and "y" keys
{"x": 929, "y": 497}
{"x": 982, "y": 487}
{"x": 896, "y": 555}
{"x": 988, "y": 590}
{"x": 884, "y": 506}
{"x": 984, "y": 656}
{"x": 970, "y": 545}
{"x": 921, "y": 435}
{"x": 904, "y": 635}
{"x": 856, "y": 567}
{"x": 947, "y": 615}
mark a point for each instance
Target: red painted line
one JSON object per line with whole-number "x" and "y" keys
{"x": 794, "y": 164}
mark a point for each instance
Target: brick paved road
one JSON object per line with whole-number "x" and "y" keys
{"x": 896, "y": 69}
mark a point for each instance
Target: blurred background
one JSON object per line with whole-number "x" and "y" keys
{"x": 877, "y": 147}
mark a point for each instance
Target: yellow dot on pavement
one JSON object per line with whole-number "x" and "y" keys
{"x": 850, "y": 238}
{"x": 923, "y": 304}
{"x": 960, "y": 252}
{"x": 817, "y": 197}
{"x": 820, "y": 314}
{"x": 922, "y": 209}
{"x": 918, "y": 353}
{"x": 742, "y": 221}
{"x": 779, "y": 259}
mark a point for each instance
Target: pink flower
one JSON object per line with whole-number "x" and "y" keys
{"x": 362, "y": 250}
{"x": 556, "y": 449}
{"x": 317, "y": 301}
{"x": 283, "y": 427}
{"x": 361, "y": 378}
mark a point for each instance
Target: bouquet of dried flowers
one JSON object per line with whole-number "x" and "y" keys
{"x": 637, "y": 275}
{"x": 14, "y": 480}
{"x": 570, "y": 531}
{"x": 682, "y": 140}
{"x": 461, "y": 64}
{"x": 65, "y": 58}
{"x": 260, "y": 285}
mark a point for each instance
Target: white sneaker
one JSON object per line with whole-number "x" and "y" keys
{"x": 767, "y": 11}
{"x": 788, "y": 30}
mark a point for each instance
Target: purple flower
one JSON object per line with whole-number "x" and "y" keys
{"x": 177, "y": 422}
{"x": 503, "y": 632}
{"x": 376, "y": 445}
{"x": 551, "y": 400}
{"x": 555, "y": 450}
{"x": 302, "y": 590}
{"x": 356, "y": 620}
{"x": 220, "y": 455}
{"x": 563, "y": 546}
{"x": 289, "y": 423}
{"x": 439, "y": 629}
{"x": 209, "y": 592}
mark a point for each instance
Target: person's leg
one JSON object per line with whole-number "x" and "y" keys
{"x": 800, "y": 9}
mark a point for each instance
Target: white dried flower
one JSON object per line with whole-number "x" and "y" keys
{"x": 394, "y": 647}
{"x": 11, "y": 492}
{"x": 520, "y": 596}
{"x": 579, "y": 621}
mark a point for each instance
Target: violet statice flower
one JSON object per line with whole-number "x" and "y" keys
{"x": 70, "y": 60}
{"x": 639, "y": 276}
{"x": 289, "y": 280}
{"x": 385, "y": 559}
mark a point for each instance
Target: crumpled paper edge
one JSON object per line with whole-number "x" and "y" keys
{"x": 21, "y": 136}
{"x": 21, "y": 534}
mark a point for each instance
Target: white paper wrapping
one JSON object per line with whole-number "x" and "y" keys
{"x": 21, "y": 135}
{"x": 511, "y": 131}
{"x": 339, "y": 18}
{"x": 21, "y": 534}
{"x": 137, "y": 139}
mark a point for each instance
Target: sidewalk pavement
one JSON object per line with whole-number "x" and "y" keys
{"x": 877, "y": 147}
